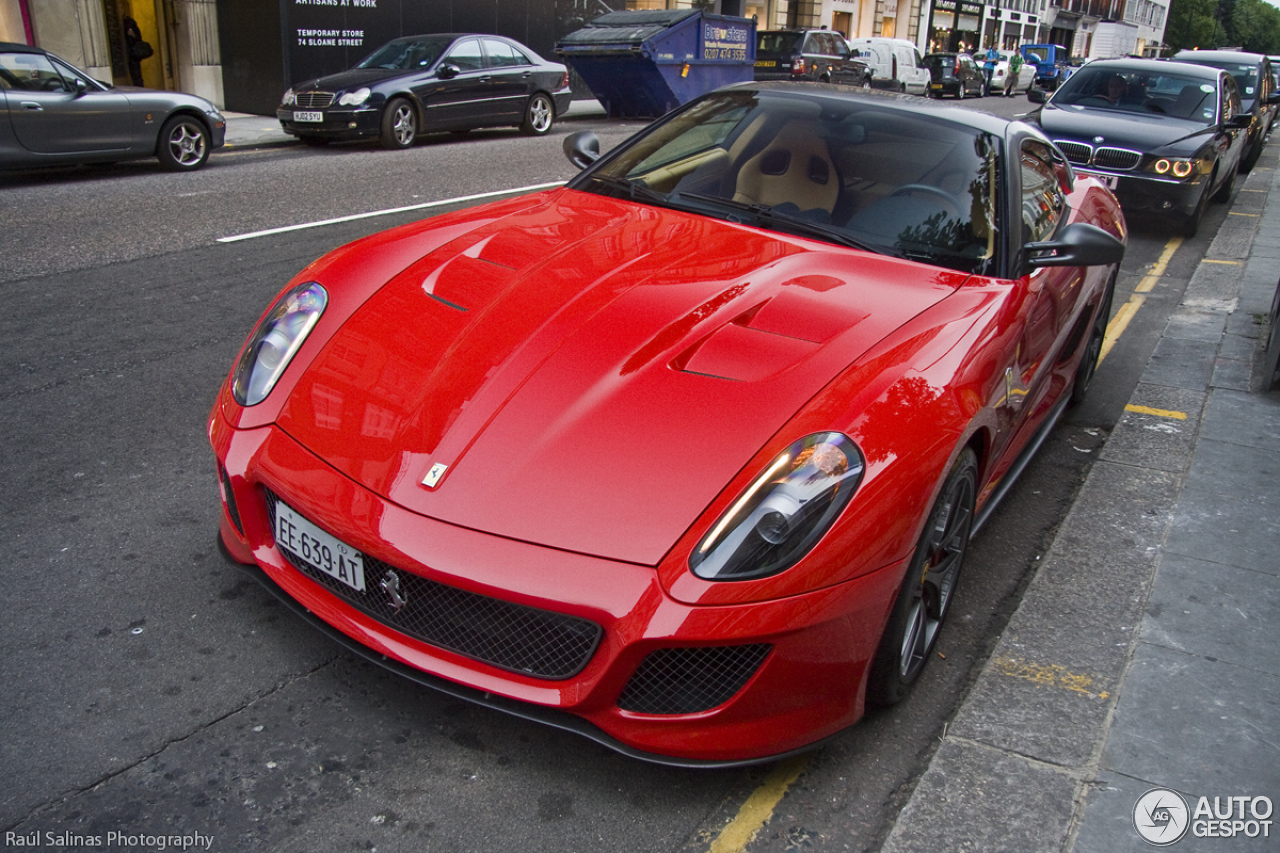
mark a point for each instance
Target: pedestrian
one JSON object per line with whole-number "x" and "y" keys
{"x": 1015, "y": 70}
{"x": 989, "y": 67}
{"x": 135, "y": 49}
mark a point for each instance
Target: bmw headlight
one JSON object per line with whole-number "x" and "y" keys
{"x": 784, "y": 512}
{"x": 288, "y": 99}
{"x": 354, "y": 99}
{"x": 1177, "y": 168}
{"x": 276, "y": 341}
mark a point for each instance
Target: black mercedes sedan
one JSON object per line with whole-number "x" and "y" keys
{"x": 418, "y": 84}
{"x": 52, "y": 113}
{"x": 1166, "y": 136}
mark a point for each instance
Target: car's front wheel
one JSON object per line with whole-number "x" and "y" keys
{"x": 399, "y": 125}
{"x": 183, "y": 145}
{"x": 928, "y": 588}
{"x": 539, "y": 115}
{"x": 1093, "y": 349}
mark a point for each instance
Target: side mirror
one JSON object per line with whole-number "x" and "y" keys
{"x": 81, "y": 87}
{"x": 1241, "y": 120}
{"x": 1079, "y": 245}
{"x": 1273, "y": 98}
{"x": 448, "y": 71}
{"x": 582, "y": 148}
{"x": 1036, "y": 95}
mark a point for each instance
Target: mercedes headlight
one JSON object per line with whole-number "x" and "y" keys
{"x": 784, "y": 512}
{"x": 354, "y": 99}
{"x": 288, "y": 99}
{"x": 276, "y": 341}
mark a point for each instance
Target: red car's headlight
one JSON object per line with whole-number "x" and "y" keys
{"x": 275, "y": 342}
{"x": 784, "y": 512}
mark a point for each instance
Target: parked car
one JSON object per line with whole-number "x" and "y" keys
{"x": 820, "y": 55}
{"x": 1005, "y": 83}
{"x": 1258, "y": 94}
{"x": 421, "y": 84}
{"x": 1052, "y": 63}
{"x": 1167, "y": 136}
{"x": 58, "y": 114}
{"x": 955, "y": 74}
{"x": 895, "y": 64}
{"x": 684, "y": 456}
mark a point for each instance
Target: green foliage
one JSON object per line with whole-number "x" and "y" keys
{"x": 1253, "y": 25}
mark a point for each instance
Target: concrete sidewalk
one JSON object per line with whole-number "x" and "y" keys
{"x": 1146, "y": 651}
{"x": 254, "y": 131}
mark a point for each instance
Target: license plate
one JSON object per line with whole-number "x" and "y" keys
{"x": 318, "y": 549}
{"x": 765, "y": 63}
{"x": 1108, "y": 181}
{"x": 308, "y": 115}
{"x": 935, "y": 85}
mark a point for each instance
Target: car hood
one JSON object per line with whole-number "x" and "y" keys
{"x": 1143, "y": 132}
{"x": 591, "y": 372}
{"x": 351, "y": 79}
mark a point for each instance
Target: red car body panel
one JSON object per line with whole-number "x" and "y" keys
{"x": 704, "y": 349}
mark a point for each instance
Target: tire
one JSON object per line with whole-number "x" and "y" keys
{"x": 183, "y": 145}
{"x": 1224, "y": 192}
{"x": 399, "y": 125}
{"x": 539, "y": 115}
{"x": 928, "y": 587}
{"x": 1192, "y": 224}
{"x": 1093, "y": 349}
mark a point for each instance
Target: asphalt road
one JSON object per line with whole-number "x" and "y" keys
{"x": 149, "y": 690}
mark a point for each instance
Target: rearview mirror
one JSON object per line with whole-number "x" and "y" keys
{"x": 1079, "y": 245}
{"x": 582, "y": 148}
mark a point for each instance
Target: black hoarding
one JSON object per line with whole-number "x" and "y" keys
{"x": 266, "y": 47}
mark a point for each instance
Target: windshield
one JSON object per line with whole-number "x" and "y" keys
{"x": 1245, "y": 74}
{"x": 937, "y": 60}
{"x": 1163, "y": 93}
{"x": 406, "y": 54}
{"x": 848, "y": 172}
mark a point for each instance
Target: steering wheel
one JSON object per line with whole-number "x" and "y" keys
{"x": 927, "y": 189}
{"x": 53, "y": 84}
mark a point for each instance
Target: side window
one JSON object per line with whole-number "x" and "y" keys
{"x": 503, "y": 55}
{"x": 1043, "y": 202}
{"x": 31, "y": 72}
{"x": 466, "y": 55}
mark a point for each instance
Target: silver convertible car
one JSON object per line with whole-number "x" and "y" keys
{"x": 57, "y": 114}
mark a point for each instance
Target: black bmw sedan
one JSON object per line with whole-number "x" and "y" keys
{"x": 1166, "y": 136}
{"x": 440, "y": 82}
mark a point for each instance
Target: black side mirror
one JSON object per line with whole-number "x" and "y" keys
{"x": 1079, "y": 245}
{"x": 1241, "y": 120}
{"x": 448, "y": 71}
{"x": 1036, "y": 95}
{"x": 1273, "y": 98}
{"x": 582, "y": 148}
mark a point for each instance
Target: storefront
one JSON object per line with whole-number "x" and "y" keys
{"x": 955, "y": 25}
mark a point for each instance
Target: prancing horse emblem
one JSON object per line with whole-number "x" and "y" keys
{"x": 433, "y": 476}
{"x": 390, "y": 584}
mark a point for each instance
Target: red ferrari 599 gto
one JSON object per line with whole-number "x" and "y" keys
{"x": 685, "y": 455}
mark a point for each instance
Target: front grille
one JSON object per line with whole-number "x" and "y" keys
{"x": 1116, "y": 158}
{"x": 690, "y": 680}
{"x": 312, "y": 100}
{"x": 514, "y": 637}
{"x": 1077, "y": 152}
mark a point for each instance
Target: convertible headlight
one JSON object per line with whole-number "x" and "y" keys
{"x": 288, "y": 99}
{"x": 354, "y": 99}
{"x": 275, "y": 342}
{"x": 784, "y": 512}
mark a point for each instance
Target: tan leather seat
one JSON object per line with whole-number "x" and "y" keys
{"x": 795, "y": 167}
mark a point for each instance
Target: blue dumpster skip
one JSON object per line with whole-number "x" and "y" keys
{"x": 642, "y": 64}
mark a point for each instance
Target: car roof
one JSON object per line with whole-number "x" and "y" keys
{"x": 1241, "y": 56}
{"x": 1159, "y": 66}
{"x": 13, "y": 47}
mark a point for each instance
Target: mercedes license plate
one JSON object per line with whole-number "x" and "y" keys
{"x": 308, "y": 115}
{"x": 318, "y": 549}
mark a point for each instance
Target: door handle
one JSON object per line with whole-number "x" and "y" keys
{"x": 32, "y": 105}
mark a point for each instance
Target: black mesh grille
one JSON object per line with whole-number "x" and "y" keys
{"x": 313, "y": 100}
{"x": 230, "y": 497}
{"x": 1077, "y": 152}
{"x": 1116, "y": 158}
{"x": 511, "y": 636}
{"x": 689, "y": 680}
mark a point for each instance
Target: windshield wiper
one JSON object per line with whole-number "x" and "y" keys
{"x": 634, "y": 190}
{"x": 790, "y": 223}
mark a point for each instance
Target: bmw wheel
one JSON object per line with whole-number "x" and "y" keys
{"x": 183, "y": 144}
{"x": 399, "y": 125}
{"x": 539, "y": 115}
{"x": 928, "y": 588}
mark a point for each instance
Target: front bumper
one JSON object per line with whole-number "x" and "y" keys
{"x": 336, "y": 123}
{"x": 1149, "y": 194}
{"x": 809, "y": 684}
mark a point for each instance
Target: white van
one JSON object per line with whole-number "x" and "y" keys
{"x": 895, "y": 64}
